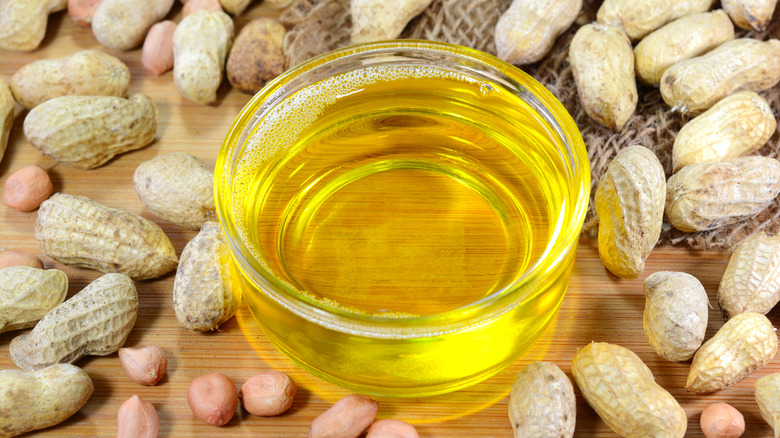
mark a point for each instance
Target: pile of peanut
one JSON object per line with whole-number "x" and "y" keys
{"x": 80, "y": 115}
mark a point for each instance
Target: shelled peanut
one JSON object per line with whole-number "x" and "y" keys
{"x": 526, "y": 31}
{"x": 602, "y": 62}
{"x": 86, "y": 73}
{"x": 751, "y": 282}
{"x": 157, "y": 52}
{"x": 137, "y": 418}
{"x": 144, "y": 365}
{"x": 347, "y": 418}
{"x": 629, "y": 202}
{"x": 27, "y": 188}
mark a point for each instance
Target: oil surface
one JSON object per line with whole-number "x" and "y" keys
{"x": 399, "y": 191}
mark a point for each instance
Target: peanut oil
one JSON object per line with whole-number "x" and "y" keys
{"x": 395, "y": 193}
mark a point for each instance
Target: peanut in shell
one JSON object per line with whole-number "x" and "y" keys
{"x": 542, "y": 403}
{"x": 751, "y": 282}
{"x": 639, "y": 18}
{"x": 23, "y": 22}
{"x": 77, "y": 231}
{"x": 750, "y": 14}
{"x": 27, "y": 294}
{"x": 6, "y": 116}
{"x": 767, "y": 395}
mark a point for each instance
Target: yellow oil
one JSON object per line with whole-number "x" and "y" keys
{"x": 398, "y": 192}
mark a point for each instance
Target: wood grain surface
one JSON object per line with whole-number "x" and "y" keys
{"x": 597, "y": 307}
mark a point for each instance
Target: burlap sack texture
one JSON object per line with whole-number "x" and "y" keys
{"x": 318, "y": 26}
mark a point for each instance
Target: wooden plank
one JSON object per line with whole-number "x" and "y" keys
{"x": 598, "y": 306}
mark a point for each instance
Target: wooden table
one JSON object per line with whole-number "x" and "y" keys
{"x": 598, "y": 306}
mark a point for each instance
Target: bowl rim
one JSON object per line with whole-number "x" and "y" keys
{"x": 488, "y": 307}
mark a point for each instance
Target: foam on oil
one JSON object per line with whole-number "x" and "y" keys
{"x": 399, "y": 190}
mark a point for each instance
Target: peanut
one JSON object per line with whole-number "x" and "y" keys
{"x": 87, "y": 131}
{"x": 23, "y": 22}
{"x": 200, "y": 46}
{"x": 256, "y": 56}
{"x": 267, "y": 394}
{"x": 376, "y": 20}
{"x": 27, "y": 294}
{"x": 621, "y": 389}
{"x": 767, "y": 395}
{"x": 123, "y": 24}
{"x": 682, "y": 39}
{"x": 200, "y": 5}
{"x": 77, "y": 231}
{"x": 137, "y": 418}
{"x": 177, "y": 187}
{"x": 347, "y": 418}
{"x": 203, "y": 296}
{"x": 82, "y": 11}
{"x": 390, "y": 428}
{"x": 743, "y": 344}
{"x": 602, "y": 61}
{"x": 721, "y": 420}
{"x": 675, "y": 317}
{"x": 144, "y": 365}
{"x": 95, "y": 321}
{"x": 629, "y": 202}
{"x": 705, "y": 196}
{"x": 213, "y": 398}
{"x": 86, "y": 73}
{"x": 6, "y": 116}
{"x": 750, "y": 14}
{"x": 638, "y": 19}
{"x": 526, "y": 31}
{"x": 157, "y": 53}
{"x": 10, "y": 258}
{"x": 698, "y": 83}
{"x": 26, "y": 188}
{"x": 736, "y": 126}
{"x": 542, "y": 402}
{"x": 278, "y": 4}
{"x": 751, "y": 282}
{"x": 34, "y": 400}
{"x": 234, "y": 7}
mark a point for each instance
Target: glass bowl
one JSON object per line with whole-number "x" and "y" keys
{"x": 404, "y": 215}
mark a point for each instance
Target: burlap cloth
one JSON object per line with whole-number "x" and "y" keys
{"x": 317, "y": 26}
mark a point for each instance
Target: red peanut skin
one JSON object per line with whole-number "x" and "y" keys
{"x": 137, "y": 418}
{"x": 389, "y": 428}
{"x": 27, "y": 188}
{"x": 19, "y": 258}
{"x": 347, "y": 418}
{"x": 157, "y": 53}
{"x": 268, "y": 393}
{"x": 213, "y": 398}
{"x": 81, "y": 11}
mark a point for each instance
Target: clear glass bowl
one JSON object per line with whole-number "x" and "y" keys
{"x": 410, "y": 351}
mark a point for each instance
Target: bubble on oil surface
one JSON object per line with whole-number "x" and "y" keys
{"x": 283, "y": 124}
{"x": 486, "y": 89}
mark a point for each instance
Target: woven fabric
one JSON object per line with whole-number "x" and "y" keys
{"x": 322, "y": 25}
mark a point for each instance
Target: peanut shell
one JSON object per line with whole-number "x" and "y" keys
{"x": 95, "y": 321}
{"x": 629, "y": 202}
{"x": 201, "y": 44}
{"x": 123, "y": 24}
{"x": 203, "y": 296}
{"x": 602, "y": 61}
{"x": 697, "y": 84}
{"x": 768, "y": 399}
{"x": 177, "y": 187}
{"x": 6, "y": 116}
{"x": 683, "y": 38}
{"x": 33, "y": 400}
{"x": 750, "y": 14}
{"x": 27, "y": 294}
{"x": 87, "y": 131}
{"x": 235, "y": 7}
{"x": 736, "y": 126}
{"x": 676, "y": 312}
{"x": 85, "y": 73}
{"x": 23, "y": 22}
{"x": 257, "y": 55}
{"x": 751, "y": 282}
{"x": 639, "y": 18}
{"x": 542, "y": 402}
{"x": 526, "y": 31}
{"x": 77, "y": 231}
{"x": 377, "y": 20}
{"x": 743, "y": 344}
{"x": 621, "y": 389}
{"x": 705, "y": 196}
